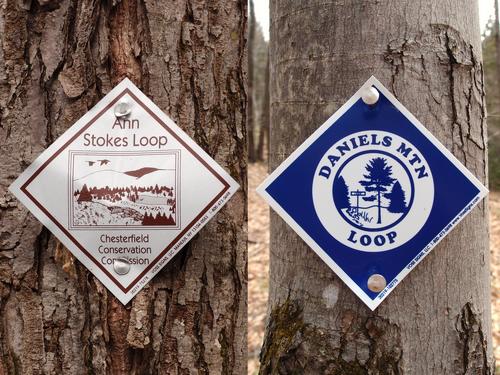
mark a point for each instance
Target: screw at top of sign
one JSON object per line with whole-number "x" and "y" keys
{"x": 376, "y": 283}
{"x": 370, "y": 95}
{"x": 122, "y": 109}
{"x": 121, "y": 266}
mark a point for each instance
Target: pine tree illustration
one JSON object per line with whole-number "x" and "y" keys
{"x": 146, "y": 220}
{"x": 377, "y": 180}
{"x": 341, "y": 194}
{"x": 396, "y": 199}
{"x": 85, "y": 195}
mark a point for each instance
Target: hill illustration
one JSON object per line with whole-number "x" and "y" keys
{"x": 140, "y": 197}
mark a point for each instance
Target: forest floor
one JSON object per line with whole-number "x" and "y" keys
{"x": 258, "y": 266}
{"x": 495, "y": 270}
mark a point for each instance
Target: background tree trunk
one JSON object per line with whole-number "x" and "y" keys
{"x": 496, "y": 30}
{"x": 57, "y": 59}
{"x": 250, "y": 82}
{"x": 428, "y": 54}
{"x": 264, "y": 125}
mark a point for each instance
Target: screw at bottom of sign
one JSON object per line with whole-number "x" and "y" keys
{"x": 121, "y": 266}
{"x": 376, "y": 283}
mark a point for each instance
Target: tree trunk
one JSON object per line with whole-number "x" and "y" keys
{"x": 496, "y": 30}
{"x": 57, "y": 59}
{"x": 264, "y": 124}
{"x": 428, "y": 53}
{"x": 379, "y": 220}
{"x": 250, "y": 109}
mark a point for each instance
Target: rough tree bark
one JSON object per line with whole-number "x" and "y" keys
{"x": 250, "y": 109}
{"x": 57, "y": 59}
{"x": 428, "y": 53}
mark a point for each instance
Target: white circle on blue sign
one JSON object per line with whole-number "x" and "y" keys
{"x": 373, "y": 191}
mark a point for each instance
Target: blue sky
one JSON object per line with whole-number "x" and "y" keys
{"x": 262, "y": 14}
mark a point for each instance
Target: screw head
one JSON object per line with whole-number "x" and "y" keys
{"x": 376, "y": 283}
{"x": 122, "y": 109}
{"x": 370, "y": 95}
{"x": 121, "y": 266}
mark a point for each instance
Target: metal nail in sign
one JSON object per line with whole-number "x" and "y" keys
{"x": 374, "y": 188}
{"x": 124, "y": 189}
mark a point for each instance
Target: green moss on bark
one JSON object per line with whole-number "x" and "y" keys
{"x": 285, "y": 322}
{"x": 369, "y": 346}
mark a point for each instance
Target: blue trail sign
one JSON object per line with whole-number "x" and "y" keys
{"x": 375, "y": 192}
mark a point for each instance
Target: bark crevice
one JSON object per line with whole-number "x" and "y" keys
{"x": 470, "y": 330}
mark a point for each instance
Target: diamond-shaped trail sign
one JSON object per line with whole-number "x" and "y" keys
{"x": 124, "y": 189}
{"x": 372, "y": 191}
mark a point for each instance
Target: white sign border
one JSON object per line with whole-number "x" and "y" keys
{"x": 15, "y": 188}
{"x": 261, "y": 190}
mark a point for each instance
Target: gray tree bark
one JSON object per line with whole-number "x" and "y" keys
{"x": 263, "y": 146}
{"x": 250, "y": 106}
{"x": 57, "y": 59}
{"x": 428, "y": 53}
{"x": 496, "y": 30}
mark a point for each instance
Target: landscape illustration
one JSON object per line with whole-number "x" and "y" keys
{"x": 369, "y": 194}
{"x": 124, "y": 190}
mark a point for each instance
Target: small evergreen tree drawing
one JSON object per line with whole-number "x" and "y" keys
{"x": 396, "y": 199}
{"x": 146, "y": 220}
{"x": 377, "y": 180}
{"x": 85, "y": 195}
{"x": 341, "y": 194}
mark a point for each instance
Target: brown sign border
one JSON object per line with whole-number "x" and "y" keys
{"x": 174, "y": 241}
